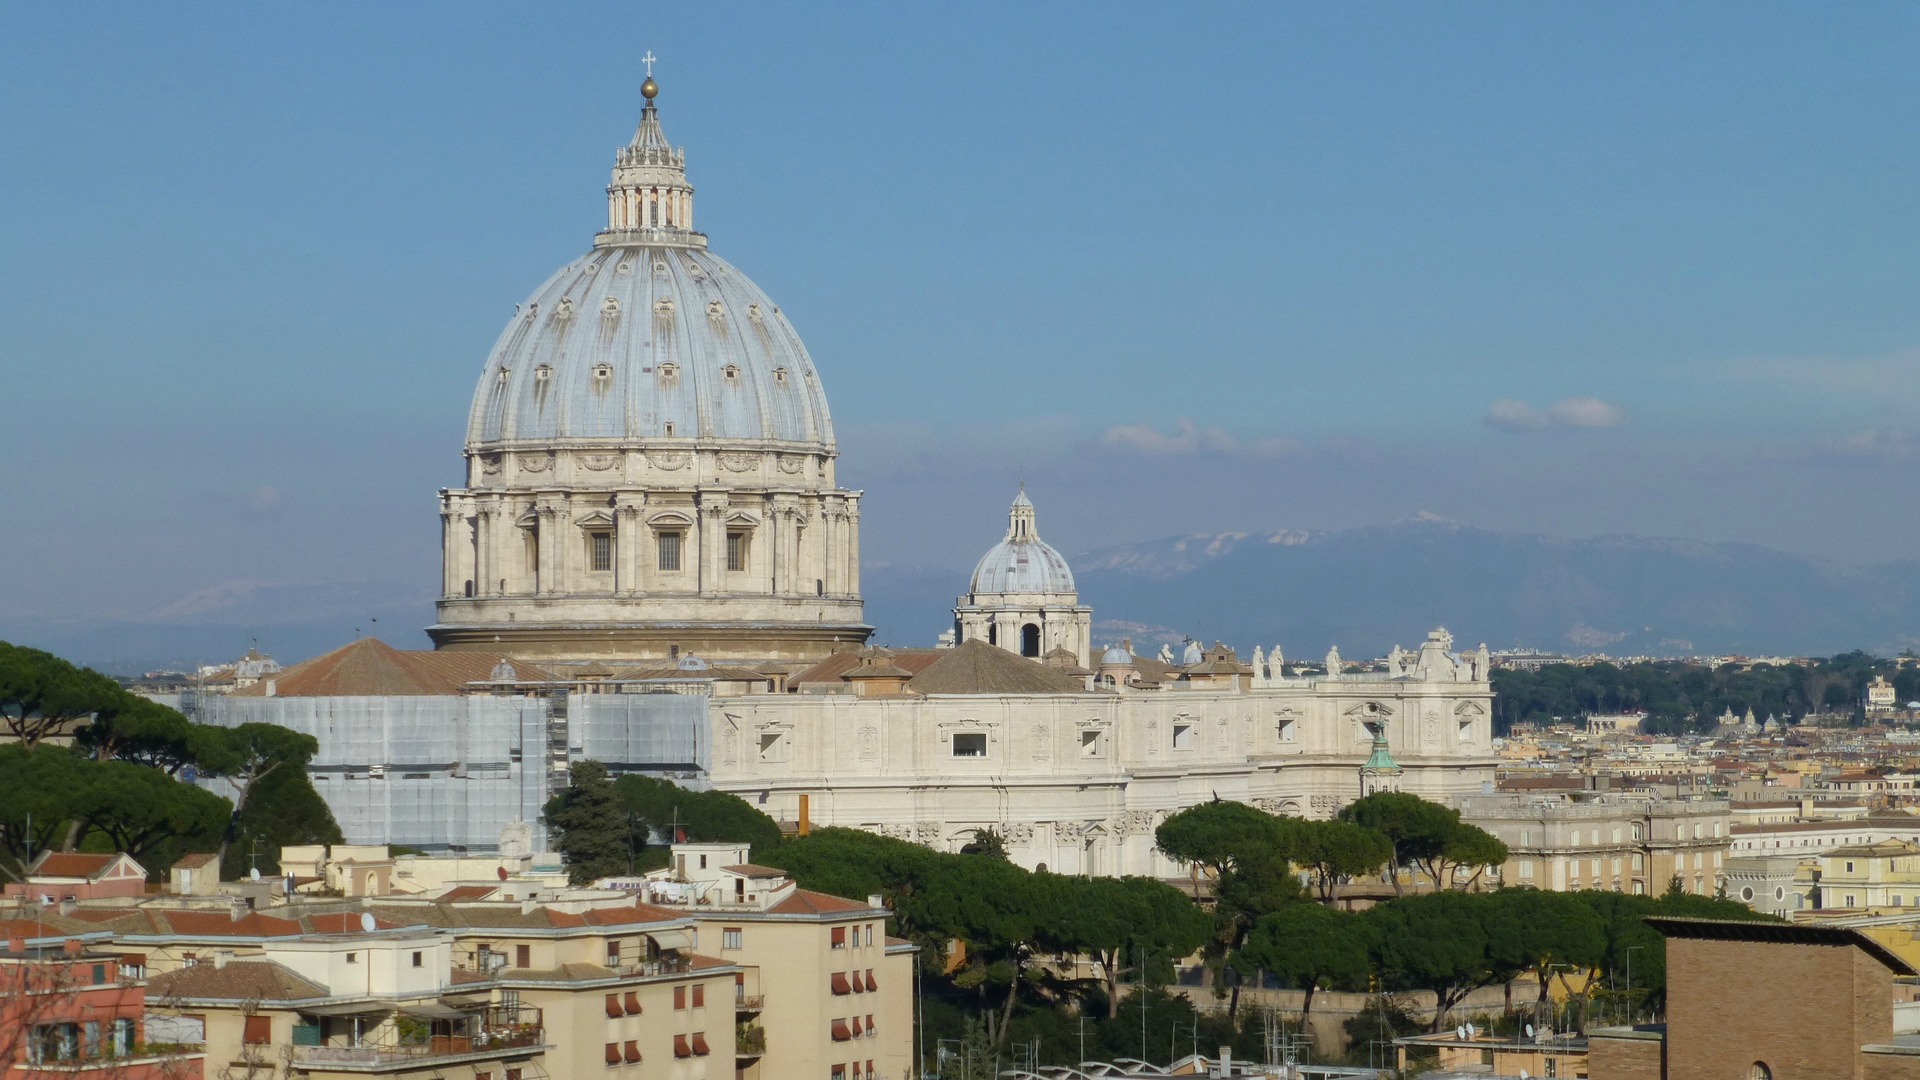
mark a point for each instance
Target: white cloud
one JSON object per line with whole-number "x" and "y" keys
{"x": 1888, "y": 445}
{"x": 1585, "y": 412}
{"x": 1186, "y": 439}
{"x": 1508, "y": 414}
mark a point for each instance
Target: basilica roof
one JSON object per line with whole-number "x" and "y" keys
{"x": 649, "y": 336}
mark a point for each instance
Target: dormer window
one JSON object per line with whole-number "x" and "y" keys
{"x": 669, "y": 370}
{"x": 731, "y": 372}
{"x": 542, "y": 373}
{"x": 780, "y": 375}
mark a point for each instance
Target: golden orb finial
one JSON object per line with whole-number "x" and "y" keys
{"x": 649, "y": 88}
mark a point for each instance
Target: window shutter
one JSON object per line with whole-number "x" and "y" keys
{"x": 613, "y": 1005}
{"x": 258, "y": 1031}
{"x": 613, "y": 1053}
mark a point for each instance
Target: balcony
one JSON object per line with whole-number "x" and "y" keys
{"x": 490, "y": 1034}
{"x": 748, "y": 1003}
{"x": 749, "y": 1040}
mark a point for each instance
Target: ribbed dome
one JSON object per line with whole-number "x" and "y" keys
{"x": 1022, "y": 563}
{"x": 631, "y": 343}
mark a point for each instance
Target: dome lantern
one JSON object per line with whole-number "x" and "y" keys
{"x": 649, "y": 200}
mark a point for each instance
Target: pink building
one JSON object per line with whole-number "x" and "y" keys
{"x": 66, "y": 875}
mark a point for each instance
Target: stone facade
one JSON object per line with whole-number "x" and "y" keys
{"x": 1079, "y": 781}
{"x": 1614, "y": 842}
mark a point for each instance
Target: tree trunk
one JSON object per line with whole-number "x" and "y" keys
{"x": 1108, "y": 963}
{"x": 1006, "y": 1013}
{"x": 1306, "y": 1005}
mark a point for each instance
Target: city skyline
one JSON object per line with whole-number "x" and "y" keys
{"x": 1559, "y": 271}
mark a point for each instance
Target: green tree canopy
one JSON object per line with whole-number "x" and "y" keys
{"x": 1435, "y": 942}
{"x": 1113, "y": 920}
{"x": 43, "y": 695}
{"x": 712, "y": 817}
{"x": 589, "y": 825}
{"x": 1336, "y": 851}
{"x": 1310, "y": 946}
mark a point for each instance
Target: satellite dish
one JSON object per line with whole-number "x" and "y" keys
{"x": 502, "y": 871}
{"x": 1529, "y": 1031}
{"x": 366, "y": 921}
{"x": 1523, "y": 1074}
{"x": 1460, "y": 1032}
{"x": 254, "y": 873}
{"x": 1471, "y": 1032}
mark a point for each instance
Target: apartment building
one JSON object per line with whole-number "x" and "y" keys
{"x": 745, "y": 976}
{"x": 1614, "y": 841}
{"x": 1874, "y": 876}
{"x": 72, "y": 1009}
{"x": 854, "y": 1019}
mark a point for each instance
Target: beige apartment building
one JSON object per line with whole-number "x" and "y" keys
{"x": 735, "y": 972}
{"x": 1871, "y": 876}
{"x": 1616, "y": 842}
{"x": 846, "y": 1007}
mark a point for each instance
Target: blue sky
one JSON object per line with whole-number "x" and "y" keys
{"x": 1575, "y": 269}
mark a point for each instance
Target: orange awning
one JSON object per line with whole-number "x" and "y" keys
{"x": 633, "y": 1051}
{"x": 840, "y": 983}
{"x": 871, "y": 985}
{"x": 613, "y": 1005}
{"x": 700, "y": 1043}
{"x": 633, "y": 1003}
{"x": 680, "y": 1047}
{"x": 841, "y": 1032}
{"x": 613, "y": 1053}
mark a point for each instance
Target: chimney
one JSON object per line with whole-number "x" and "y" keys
{"x": 272, "y": 687}
{"x": 1226, "y": 1061}
{"x": 74, "y": 946}
{"x": 806, "y": 826}
{"x": 220, "y": 958}
{"x": 875, "y": 900}
{"x": 68, "y": 905}
{"x": 237, "y": 909}
{"x": 17, "y": 945}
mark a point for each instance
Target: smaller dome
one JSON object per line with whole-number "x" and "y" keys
{"x": 1022, "y": 563}
{"x": 1116, "y": 656}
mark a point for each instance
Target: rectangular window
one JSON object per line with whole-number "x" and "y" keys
{"x": 523, "y": 956}
{"x": 419, "y": 960}
{"x": 679, "y": 997}
{"x": 1090, "y": 744}
{"x": 700, "y": 995}
{"x": 869, "y": 933}
{"x": 839, "y": 937}
{"x": 970, "y": 744}
{"x": 600, "y": 550}
{"x": 258, "y": 1031}
{"x": 353, "y": 958}
{"x": 1183, "y": 736}
{"x": 773, "y": 746}
{"x": 730, "y": 938}
{"x": 736, "y": 550}
{"x": 670, "y": 552}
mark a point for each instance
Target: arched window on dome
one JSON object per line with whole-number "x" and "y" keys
{"x": 1030, "y": 641}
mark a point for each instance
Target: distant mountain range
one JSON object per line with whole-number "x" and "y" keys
{"x": 1368, "y": 588}
{"x": 1364, "y": 589}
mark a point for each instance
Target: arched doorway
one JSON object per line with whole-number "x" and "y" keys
{"x": 1030, "y": 640}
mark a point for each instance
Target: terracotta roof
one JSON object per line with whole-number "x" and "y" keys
{"x": 828, "y": 672}
{"x": 755, "y": 870}
{"x": 716, "y": 672}
{"x": 372, "y": 668}
{"x": 193, "y": 862}
{"x": 489, "y": 916}
{"x": 807, "y": 902}
{"x": 975, "y": 667}
{"x": 237, "y": 980}
{"x": 70, "y": 864}
{"x": 563, "y": 973}
{"x": 468, "y": 892}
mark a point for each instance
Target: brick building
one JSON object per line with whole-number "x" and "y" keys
{"x": 1813, "y": 1003}
{"x": 69, "y": 1011}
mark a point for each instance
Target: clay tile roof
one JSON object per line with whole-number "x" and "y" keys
{"x": 975, "y": 667}
{"x": 807, "y": 902}
{"x": 70, "y": 864}
{"x": 221, "y": 924}
{"x": 565, "y": 973}
{"x": 468, "y": 892}
{"x": 1152, "y": 669}
{"x": 696, "y": 961}
{"x": 193, "y": 862}
{"x": 829, "y": 671}
{"x": 372, "y": 668}
{"x": 755, "y": 870}
{"x": 237, "y": 980}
